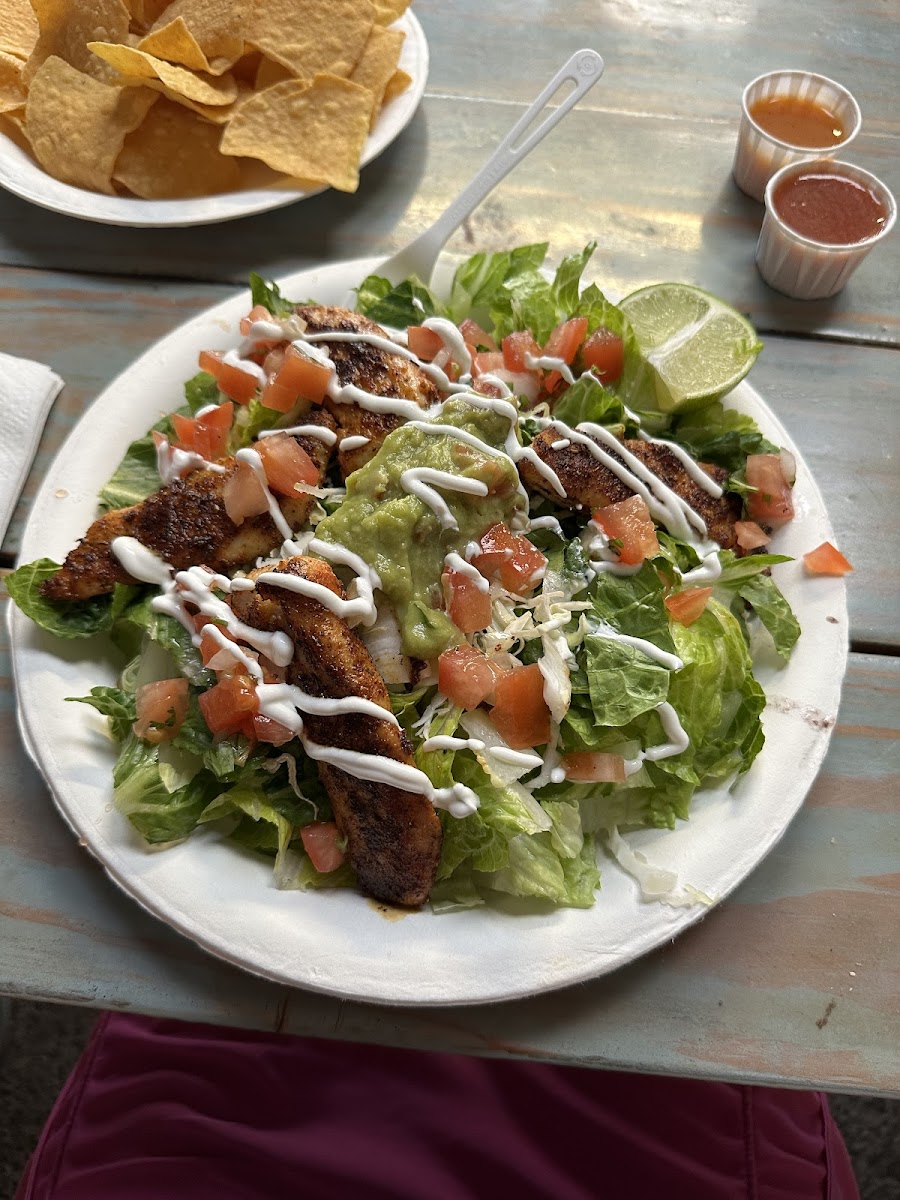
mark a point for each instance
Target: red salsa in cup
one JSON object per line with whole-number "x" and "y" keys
{"x": 826, "y": 207}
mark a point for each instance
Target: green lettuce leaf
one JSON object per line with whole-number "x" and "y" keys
{"x": 201, "y": 390}
{"x": 65, "y": 619}
{"x": 588, "y": 400}
{"x": 267, "y": 293}
{"x": 720, "y": 435}
{"x": 765, "y": 598}
{"x": 478, "y": 284}
{"x": 140, "y": 619}
{"x": 535, "y": 869}
{"x": 114, "y": 703}
{"x": 406, "y": 304}
{"x": 141, "y": 795}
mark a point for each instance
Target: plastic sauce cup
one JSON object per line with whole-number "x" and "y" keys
{"x": 759, "y": 154}
{"x": 806, "y": 269}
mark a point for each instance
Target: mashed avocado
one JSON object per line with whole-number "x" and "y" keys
{"x": 402, "y": 537}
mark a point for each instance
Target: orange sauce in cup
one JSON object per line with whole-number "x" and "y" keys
{"x": 826, "y": 207}
{"x": 798, "y": 122}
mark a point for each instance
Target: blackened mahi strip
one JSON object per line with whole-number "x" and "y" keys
{"x": 394, "y": 837}
{"x": 372, "y": 369}
{"x": 590, "y": 484}
{"x": 186, "y": 524}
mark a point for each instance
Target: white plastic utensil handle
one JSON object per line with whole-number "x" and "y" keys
{"x": 583, "y": 69}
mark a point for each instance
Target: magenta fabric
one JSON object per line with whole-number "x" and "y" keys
{"x": 161, "y": 1110}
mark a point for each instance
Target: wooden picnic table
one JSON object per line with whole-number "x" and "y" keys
{"x": 795, "y": 979}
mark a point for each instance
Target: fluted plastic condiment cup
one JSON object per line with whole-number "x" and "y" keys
{"x": 806, "y": 269}
{"x": 759, "y": 154}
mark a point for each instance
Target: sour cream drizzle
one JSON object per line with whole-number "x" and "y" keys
{"x": 671, "y": 661}
{"x": 422, "y": 483}
{"x": 172, "y": 462}
{"x": 549, "y": 362}
{"x": 678, "y": 741}
{"x": 455, "y": 562}
{"x": 322, "y": 432}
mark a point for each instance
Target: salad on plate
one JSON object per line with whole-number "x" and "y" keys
{"x": 436, "y": 597}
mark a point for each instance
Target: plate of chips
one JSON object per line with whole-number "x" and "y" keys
{"x": 153, "y": 113}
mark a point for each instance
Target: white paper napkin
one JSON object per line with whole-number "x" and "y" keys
{"x": 27, "y": 392}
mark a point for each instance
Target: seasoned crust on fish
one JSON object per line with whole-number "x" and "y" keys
{"x": 394, "y": 837}
{"x": 185, "y": 523}
{"x": 590, "y": 484}
{"x": 371, "y": 369}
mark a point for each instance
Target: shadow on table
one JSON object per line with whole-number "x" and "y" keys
{"x": 326, "y": 228}
{"x": 729, "y": 230}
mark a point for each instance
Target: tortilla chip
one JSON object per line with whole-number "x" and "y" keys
{"x": 377, "y": 65}
{"x": 387, "y": 11}
{"x": 217, "y": 26}
{"x": 174, "y": 154}
{"x": 136, "y": 66}
{"x": 13, "y": 125}
{"x": 246, "y": 68}
{"x": 176, "y": 44}
{"x": 77, "y": 125}
{"x": 11, "y": 94}
{"x": 312, "y": 39}
{"x": 66, "y": 27}
{"x": 18, "y": 28}
{"x": 397, "y": 84}
{"x": 313, "y": 131}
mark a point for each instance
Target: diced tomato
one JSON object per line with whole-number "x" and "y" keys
{"x": 772, "y": 500}
{"x": 161, "y": 709}
{"x": 749, "y": 535}
{"x": 473, "y": 333}
{"x": 468, "y": 605}
{"x": 566, "y": 338}
{"x": 243, "y": 495}
{"x": 604, "y": 352}
{"x": 511, "y": 557}
{"x": 520, "y": 713}
{"x": 594, "y": 766}
{"x": 210, "y": 645}
{"x": 237, "y": 384}
{"x": 258, "y": 313}
{"x": 286, "y": 463}
{"x": 466, "y": 676}
{"x": 424, "y": 342}
{"x": 206, "y": 435}
{"x": 826, "y": 560}
{"x": 551, "y": 381}
{"x": 297, "y": 375}
{"x": 265, "y": 729}
{"x": 629, "y": 523}
{"x": 487, "y": 361}
{"x": 515, "y": 347}
{"x": 322, "y": 842}
{"x": 226, "y": 705}
{"x": 688, "y": 604}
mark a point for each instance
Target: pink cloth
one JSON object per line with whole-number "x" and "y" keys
{"x": 160, "y": 1110}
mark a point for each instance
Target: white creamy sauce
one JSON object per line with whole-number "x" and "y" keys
{"x": 387, "y": 346}
{"x": 550, "y": 523}
{"x": 354, "y": 442}
{"x": 140, "y": 562}
{"x": 549, "y": 362}
{"x": 453, "y": 340}
{"x": 455, "y": 562}
{"x": 274, "y": 696}
{"x": 693, "y": 468}
{"x": 678, "y": 741}
{"x": 422, "y": 483}
{"x": 173, "y": 462}
{"x": 561, "y": 444}
{"x": 322, "y": 432}
{"x": 231, "y": 358}
{"x": 353, "y": 611}
{"x": 671, "y": 661}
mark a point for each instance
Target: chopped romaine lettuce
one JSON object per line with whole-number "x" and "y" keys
{"x": 69, "y": 619}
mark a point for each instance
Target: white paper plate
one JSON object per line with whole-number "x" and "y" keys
{"x": 20, "y": 174}
{"x": 339, "y": 942}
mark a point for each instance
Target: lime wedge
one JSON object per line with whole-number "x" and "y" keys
{"x": 698, "y": 346}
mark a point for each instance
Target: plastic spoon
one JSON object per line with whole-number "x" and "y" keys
{"x": 583, "y": 69}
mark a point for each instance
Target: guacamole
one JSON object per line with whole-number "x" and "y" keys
{"x": 403, "y": 537}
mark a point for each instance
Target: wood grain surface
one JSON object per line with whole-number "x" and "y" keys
{"x": 793, "y": 980}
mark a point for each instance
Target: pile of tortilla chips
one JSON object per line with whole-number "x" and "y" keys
{"x": 170, "y": 100}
